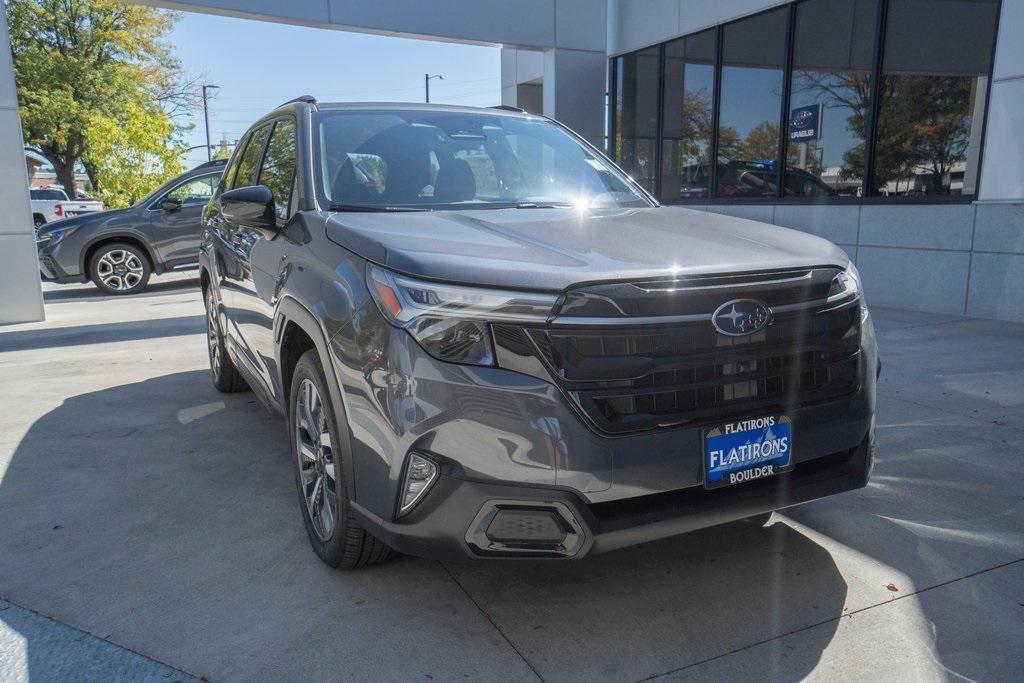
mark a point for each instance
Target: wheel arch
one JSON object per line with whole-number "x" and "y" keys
{"x": 296, "y": 330}
{"x": 127, "y": 238}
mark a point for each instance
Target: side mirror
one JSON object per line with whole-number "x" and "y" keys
{"x": 170, "y": 205}
{"x": 251, "y": 206}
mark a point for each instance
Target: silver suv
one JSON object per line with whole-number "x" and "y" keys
{"x": 488, "y": 342}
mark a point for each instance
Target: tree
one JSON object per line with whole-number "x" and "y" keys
{"x": 128, "y": 158}
{"x": 97, "y": 85}
{"x": 762, "y": 142}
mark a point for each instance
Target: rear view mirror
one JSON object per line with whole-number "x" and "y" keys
{"x": 251, "y": 206}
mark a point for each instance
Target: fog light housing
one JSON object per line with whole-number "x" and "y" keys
{"x": 523, "y": 528}
{"x": 420, "y": 474}
{"x": 527, "y": 526}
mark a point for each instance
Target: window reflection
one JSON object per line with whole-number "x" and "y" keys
{"x": 932, "y": 99}
{"x": 753, "y": 57}
{"x": 689, "y": 92}
{"x": 918, "y": 126}
{"x": 636, "y": 107}
{"x": 830, "y": 97}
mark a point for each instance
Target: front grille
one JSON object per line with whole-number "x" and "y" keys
{"x": 626, "y": 378}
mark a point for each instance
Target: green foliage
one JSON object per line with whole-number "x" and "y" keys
{"x": 130, "y": 157}
{"x": 97, "y": 85}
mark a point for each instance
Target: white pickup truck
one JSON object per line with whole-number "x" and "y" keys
{"x": 51, "y": 204}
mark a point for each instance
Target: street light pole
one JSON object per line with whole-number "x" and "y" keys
{"x": 206, "y": 119}
{"x": 426, "y": 83}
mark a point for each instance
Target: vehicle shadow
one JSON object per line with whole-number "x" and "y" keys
{"x": 89, "y": 292}
{"x": 163, "y": 516}
{"x": 665, "y": 606}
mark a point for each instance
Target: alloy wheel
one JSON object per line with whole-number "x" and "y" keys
{"x": 120, "y": 269}
{"x": 316, "y": 460}
{"x": 213, "y": 334}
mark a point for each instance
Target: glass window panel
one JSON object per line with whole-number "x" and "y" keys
{"x": 753, "y": 60}
{"x": 687, "y": 123}
{"x": 278, "y": 169}
{"x": 636, "y": 112}
{"x": 250, "y": 157}
{"x": 932, "y": 96}
{"x": 196, "y": 191}
{"x": 830, "y": 97}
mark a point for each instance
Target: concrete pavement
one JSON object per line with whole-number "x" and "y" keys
{"x": 142, "y": 507}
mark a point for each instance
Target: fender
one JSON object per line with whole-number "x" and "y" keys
{"x": 109, "y": 236}
{"x": 289, "y": 310}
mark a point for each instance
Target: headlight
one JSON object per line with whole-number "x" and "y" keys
{"x": 845, "y": 284}
{"x": 450, "y": 321}
{"x": 57, "y": 235}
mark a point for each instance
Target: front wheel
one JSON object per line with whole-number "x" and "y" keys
{"x": 225, "y": 375}
{"x": 320, "y": 476}
{"x": 119, "y": 269}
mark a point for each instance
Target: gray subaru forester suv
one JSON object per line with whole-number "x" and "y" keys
{"x": 489, "y": 342}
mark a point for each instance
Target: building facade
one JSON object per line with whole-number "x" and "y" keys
{"x": 891, "y": 127}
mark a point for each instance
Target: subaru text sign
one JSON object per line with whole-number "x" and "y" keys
{"x": 805, "y": 123}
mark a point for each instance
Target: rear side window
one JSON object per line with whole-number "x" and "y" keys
{"x": 278, "y": 171}
{"x": 196, "y": 191}
{"x": 250, "y": 158}
{"x": 50, "y": 195}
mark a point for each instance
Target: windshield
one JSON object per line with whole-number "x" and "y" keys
{"x": 49, "y": 195}
{"x": 441, "y": 160}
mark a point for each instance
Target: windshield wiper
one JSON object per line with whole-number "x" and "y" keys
{"x": 370, "y": 208}
{"x": 541, "y": 205}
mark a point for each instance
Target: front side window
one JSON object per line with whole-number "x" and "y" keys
{"x": 250, "y": 157}
{"x": 278, "y": 171}
{"x": 932, "y": 100}
{"x": 196, "y": 191}
{"x": 429, "y": 159}
{"x": 753, "y": 65}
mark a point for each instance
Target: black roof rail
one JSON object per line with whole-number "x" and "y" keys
{"x": 212, "y": 162}
{"x": 508, "y": 107}
{"x": 308, "y": 99}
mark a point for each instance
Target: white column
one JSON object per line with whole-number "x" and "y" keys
{"x": 1002, "y": 173}
{"x": 21, "y": 297}
{"x": 574, "y": 90}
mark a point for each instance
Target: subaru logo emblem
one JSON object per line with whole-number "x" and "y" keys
{"x": 740, "y": 317}
{"x": 801, "y": 119}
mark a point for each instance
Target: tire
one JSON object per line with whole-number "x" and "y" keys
{"x": 38, "y": 221}
{"x": 119, "y": 268}
{"x": 333, "y": 530}
{"x": 225, "y": 375}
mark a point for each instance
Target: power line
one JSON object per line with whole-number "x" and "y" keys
{"x": 354, "y": 92}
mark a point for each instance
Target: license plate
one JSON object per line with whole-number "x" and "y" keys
{"x": 747, "y": 450}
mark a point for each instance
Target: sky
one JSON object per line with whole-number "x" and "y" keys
{"x": 258, "y": 65}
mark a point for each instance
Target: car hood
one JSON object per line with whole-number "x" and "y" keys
{"x": 551, "y": 249}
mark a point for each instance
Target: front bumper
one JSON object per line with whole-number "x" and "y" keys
{"x": 443, "y": 526}
{"x": 54, "y": 268}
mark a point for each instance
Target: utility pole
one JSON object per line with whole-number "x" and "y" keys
{"x": 206, "y": 118}
{"x": 426, "y": 83}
